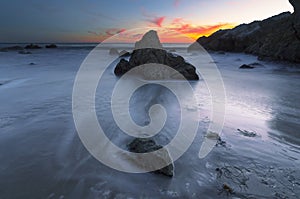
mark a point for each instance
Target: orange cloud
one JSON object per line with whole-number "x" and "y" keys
{"x": 176, "y": 31}
{"x": 196, "y": 31}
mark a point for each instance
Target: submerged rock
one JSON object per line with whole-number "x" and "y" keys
{"x": 276, "y": 38}
{"x": 247, "y": 133}
{"x": 245, "y": 66}
{"x": 149, "y": 50}
{"x": 145, "y": 145}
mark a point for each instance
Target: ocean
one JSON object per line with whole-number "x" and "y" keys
{"x": 42, "y": 155}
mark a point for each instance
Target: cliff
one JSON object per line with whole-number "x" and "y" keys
{"x": 277, "y": 37}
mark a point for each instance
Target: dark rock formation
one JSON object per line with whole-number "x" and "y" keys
{"x": 277, "y": 37}
{"x": 33, "y": 46}
{"x": 145, "y": 145}
{"x": 122, "y": 67}
{"x": 296, "y": 17}
{"x": 149, "y": 50}
{"x": 11, "y": 48}
{"x": 51, "y": 46}
{"x": 245, "y": 66}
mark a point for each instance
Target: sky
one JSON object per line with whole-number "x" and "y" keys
{"x": 56, "y": 21}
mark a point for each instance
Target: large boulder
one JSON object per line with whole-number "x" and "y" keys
{"x": 277, "y": 37}
{"x": 146, "y": 145}
{"x": 154, "y": 54}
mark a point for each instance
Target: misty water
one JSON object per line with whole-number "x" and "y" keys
{"x": 41, "y": 155}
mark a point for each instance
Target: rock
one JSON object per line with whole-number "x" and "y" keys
{"x": 296, "y": 16}
{"x": 212, "y": 135}
{"x": 255, "y": 64}
{"x": 122, "y": 67}
{"x": 145, "y": 145}
{"x": 156, "y": 55}
{"x": 220, "y": 142}
{"x": 149, "y": 40}
{"x": 113, "y": 51}
{"x": 247, "y": 133}
{"x": 32, "y": 46}
{"x": 296, "y": 5}
{"x": 245, "y": 66}
{"x": 227, "y": 189}
{"x": 11, "y": 48}
{"x": 124, "y": 53}
{"x": 51, "y": 46}
{"x": 276, "y": 38}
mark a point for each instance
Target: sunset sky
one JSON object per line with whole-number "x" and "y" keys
{"x": 96, "y": 20}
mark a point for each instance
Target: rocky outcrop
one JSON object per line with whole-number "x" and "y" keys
{"x": 11, "y": 48}
{"x": 296, "y": 5}
{"x": 146, "y": 145}
{"x": 33, "y": 46}
{"x": 277, "y": 37}
{"x": 149, "y": 51}
{"x": 296, "y": 16}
